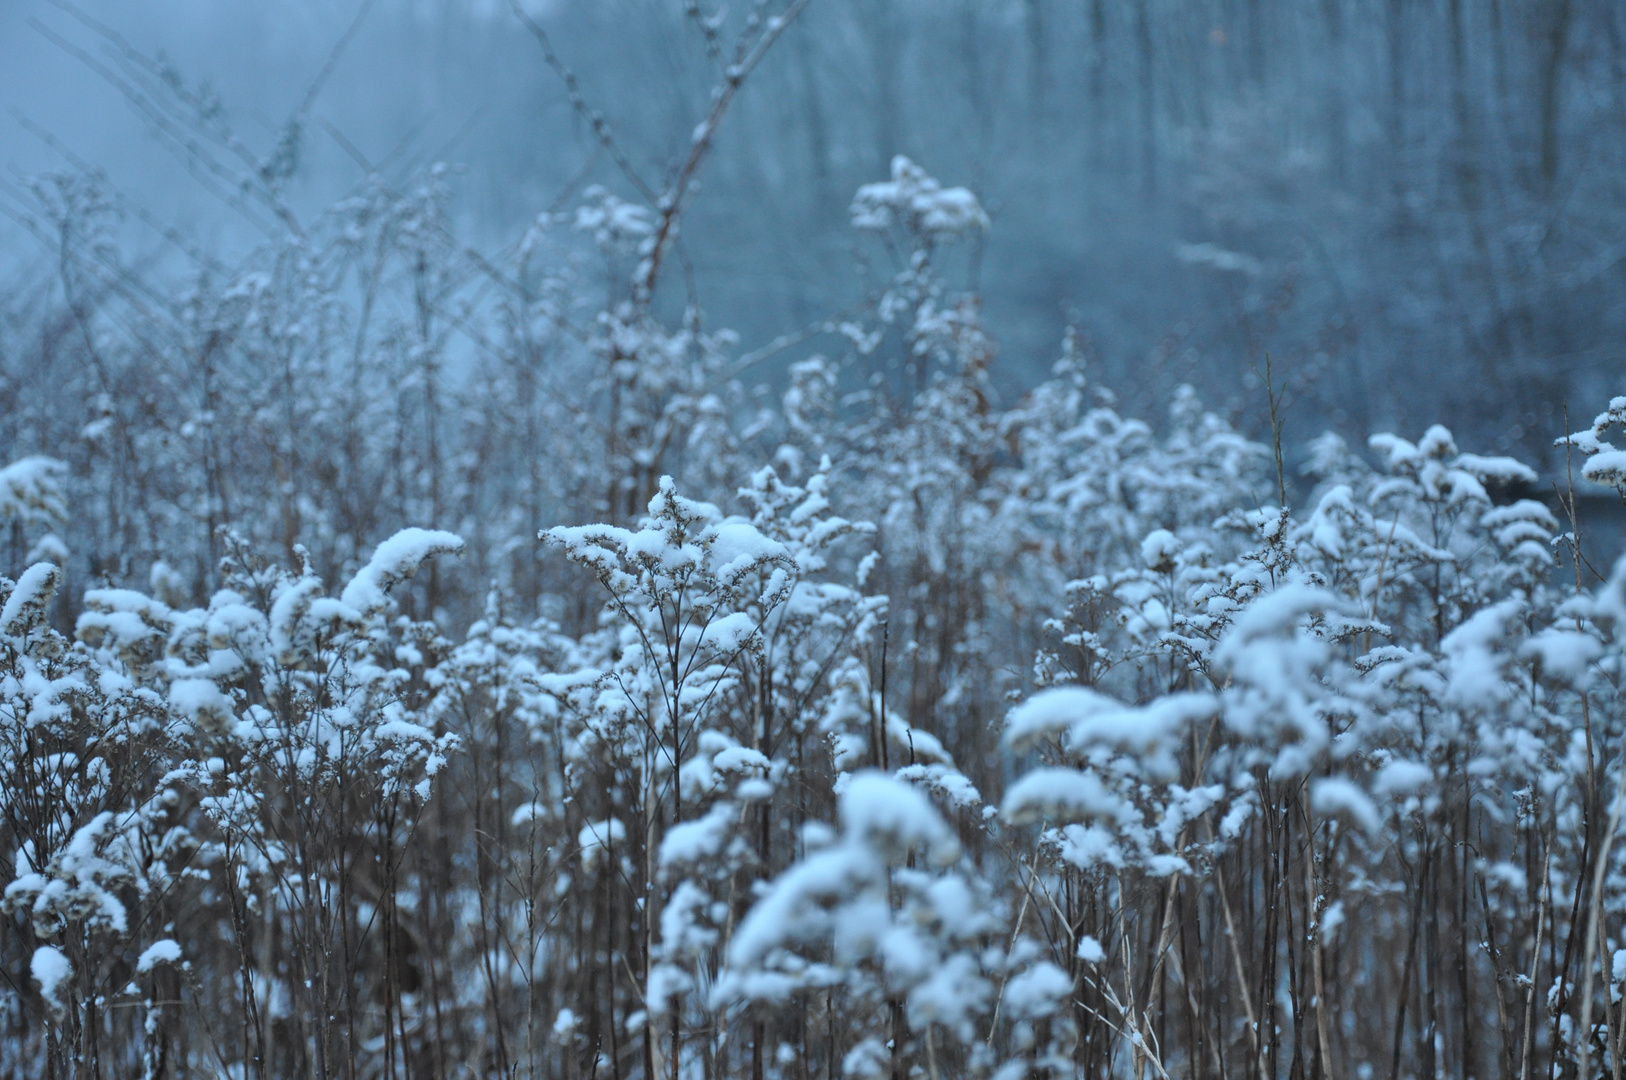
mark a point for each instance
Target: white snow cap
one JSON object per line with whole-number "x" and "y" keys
{"x": 564, "y": 1025}
{"x": 894, "y": 816}
{"x": 1400, "y": 777}
{"x": 1087, "y": 718}
{"x": 31, "y": 489}
{"x": 51, "y": 969}
{"x": 394, "y": 561}
{"x": 1159, "y": 549}
{"x": 159, "y": 952}
{"x": 201, "y": 701}
{"x": 1335, "y": 795}
{"x": 918, "y": 200}
{"x": 1037, "y": 992}
{"x": 1217, "y": 258}
{"x": 26, "y": 605}
{"x": 1060, "y": 794}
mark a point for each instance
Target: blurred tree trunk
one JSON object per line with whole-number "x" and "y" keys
{"x": 1337, "y": 138}
{"x": 1256, "y": 43}
{"x": 818, "y": 135}
{"x": 1097, "y": 79}
{"x": 1038, "y": 56}
{"x": 1550, "y": 87}
{"x": 883, "y": 35}
{"x": 1395, "y": 30}
{"x": 1148, "y": 102}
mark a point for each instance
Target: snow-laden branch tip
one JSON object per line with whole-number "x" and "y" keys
{"x": 394, "y": 561}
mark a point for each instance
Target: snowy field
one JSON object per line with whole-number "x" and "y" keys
{"x": 431, "y": 662}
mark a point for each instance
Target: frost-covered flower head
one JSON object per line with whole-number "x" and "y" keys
{"x": 918, "y": 203}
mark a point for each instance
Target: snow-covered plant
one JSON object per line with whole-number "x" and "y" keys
{"x": 299, "y": 766}
{"x": 710, "y": 669}
{"x": 1302, "y": 791}
{"x": 1604, "y": 463}
{"x": 878, "y": 911}
{"x": 87, "y": 816}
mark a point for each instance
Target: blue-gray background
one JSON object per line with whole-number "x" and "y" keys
{"x": 1426, "y": 197}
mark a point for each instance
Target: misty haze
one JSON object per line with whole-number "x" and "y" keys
{"x": 791, "y": 539}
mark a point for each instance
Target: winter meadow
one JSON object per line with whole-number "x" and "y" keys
{"x": 429, "y": 654}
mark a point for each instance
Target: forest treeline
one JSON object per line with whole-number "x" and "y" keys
{"x": 421, "y": 662}
{"x": 1424, "y": 195}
